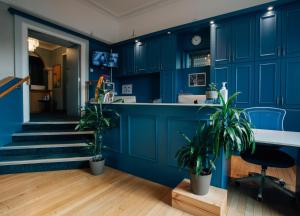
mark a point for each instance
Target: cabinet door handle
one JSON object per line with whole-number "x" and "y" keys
{"x": 278, "y": 51}
{"x": 277, "y": 100}
{"x": 283, "y": 51}
{"x": 282, "y": 101}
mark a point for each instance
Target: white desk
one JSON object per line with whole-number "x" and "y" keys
{"x": 273, "y": 137}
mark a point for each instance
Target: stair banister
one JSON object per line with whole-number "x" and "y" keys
{"x": 13, "y": 87}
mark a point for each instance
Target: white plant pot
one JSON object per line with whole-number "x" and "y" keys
{"x": 97, "y": 167}
{"x": 211, "y": 94}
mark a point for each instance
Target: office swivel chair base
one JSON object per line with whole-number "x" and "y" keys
{"x": 281, "y": 182}
{"x": 263, "y": 180}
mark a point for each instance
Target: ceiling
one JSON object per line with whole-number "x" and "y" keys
{"x": 112, "y": 21}
{"x": 123, "y": 8}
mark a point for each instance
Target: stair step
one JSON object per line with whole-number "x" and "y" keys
{"x": 43, "y": 152}
{"x": 35, "y": 159}
{"x": 48, "y": 160}
{"x": 52, "y": 135}
{"x": 33, "y": 146}
{"x": 45, "y": 165}
{"x": 41, "y": 126}
{"x": 46, "y": 142}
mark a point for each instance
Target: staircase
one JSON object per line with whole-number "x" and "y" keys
{"x": 44, "y": 146}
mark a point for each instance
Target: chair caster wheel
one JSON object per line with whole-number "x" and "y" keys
{"x": 281, "y": 183}
{"x": 237, "y": 183}
{"x": 259, "y": 198}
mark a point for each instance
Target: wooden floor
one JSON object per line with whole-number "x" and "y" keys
{"x": 76, "y": 192}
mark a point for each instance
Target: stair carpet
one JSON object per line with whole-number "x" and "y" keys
{"x": 45, "y": 146}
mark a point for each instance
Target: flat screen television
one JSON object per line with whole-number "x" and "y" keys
{"x": 100, "y": 58}
{"x": 113, "y": 60}
{"x": 105, "y": 59}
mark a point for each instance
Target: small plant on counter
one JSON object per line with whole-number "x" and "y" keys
{"x": 232, "y": 131}
{"x": 212, "y": 92}
{"x": 197, "y": 155}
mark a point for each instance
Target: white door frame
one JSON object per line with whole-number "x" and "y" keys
{"x": 22, "y": 25}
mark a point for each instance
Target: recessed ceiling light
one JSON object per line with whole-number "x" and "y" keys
{"x": 270, "y": 8}
{"x": 211, "y": 22}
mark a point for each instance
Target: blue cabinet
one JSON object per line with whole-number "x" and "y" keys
{"x": 126, "y": 65}
{"x": 268, "y": 35}
{"x": 267, "y": 83}
{"x": 243, "y": 33}
{"x": 222, "y": 74}
{"x": 140, "y": 57}
{"x": 153, "y": 55}
{"x": 291, "y": 31}
{"x": 290, "y": 81}
{"x": 221, "y": 42}
{"x": 243, "y": 82}
{"x": 233, "y": 40}
{"x": 168, "y": 44}
{"x": 239, "y": 78}
{"x": 167, "y": 86}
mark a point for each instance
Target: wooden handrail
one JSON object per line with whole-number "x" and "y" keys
{"x": 6, "y": 80}
{"x": 26, "y": 79}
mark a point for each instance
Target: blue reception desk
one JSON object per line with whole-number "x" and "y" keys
{"x": 148, "y": 138}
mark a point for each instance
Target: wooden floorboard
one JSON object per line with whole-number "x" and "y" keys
{"x": 77, "y": 192}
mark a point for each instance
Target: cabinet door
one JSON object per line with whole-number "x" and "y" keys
{"x": 168, "y": 44}
{"x": 140, "y": 57}
{"x": 166, "y": 86}
{"x": 221, "y": 43}
{"x": 291, "y": 31}
{"x": 127, "y": 61}
{"x": 268, "y": 38}
{"x": 290, "y": 83}
{"x": 153, "y": 55}
{"x": 222, "y": 74}
{"x": 243, "y": 39}
{"x": 267, "y": 83}
{"x": 243, "y": 81}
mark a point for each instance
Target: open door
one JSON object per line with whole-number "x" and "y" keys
{"x": 72, "y": 79}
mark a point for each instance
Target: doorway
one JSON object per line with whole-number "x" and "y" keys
{"x": 22, "y": 26}
{"x": 54, "y": 68}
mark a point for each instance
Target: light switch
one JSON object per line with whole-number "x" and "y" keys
{"x": 127, "y": 89}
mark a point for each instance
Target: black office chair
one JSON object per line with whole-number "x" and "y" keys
{"x": 266, "y": 155}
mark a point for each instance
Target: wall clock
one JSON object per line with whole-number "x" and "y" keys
{"x": 196, "y": 40}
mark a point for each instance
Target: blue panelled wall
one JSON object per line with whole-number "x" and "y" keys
{"x": 11, "y": 115}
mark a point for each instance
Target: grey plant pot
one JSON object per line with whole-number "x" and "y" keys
{"x": 211, "y": 94}
{"x": 97, "y": 167}
{"x": 200, "y": 184}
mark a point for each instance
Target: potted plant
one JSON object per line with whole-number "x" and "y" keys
{"x": 197, "y": 155}
{"x": 99, "y": 119}
{"x": 232, "y": 131}
{"x": 212, "y": 92}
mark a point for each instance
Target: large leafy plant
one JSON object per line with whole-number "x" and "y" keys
{"x": 99, "y": 119}
{"x": 197, "y": 154}
{"x": 232, "y": 131}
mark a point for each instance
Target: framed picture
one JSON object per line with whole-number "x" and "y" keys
{"x": 57, "y": 76}
{"x": 197, "y": 79}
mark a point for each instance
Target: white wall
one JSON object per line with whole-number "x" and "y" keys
{"x": 178, "y": 13}
{"x": 6, "y": 43}
{"x": 72, "y": 14}
{"x": 86, "y": 18}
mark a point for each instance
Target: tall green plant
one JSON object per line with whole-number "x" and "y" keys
{"x": 197, "y": 154}
{"x": 100, "y": 120}
{"x": 232, "y": 131}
